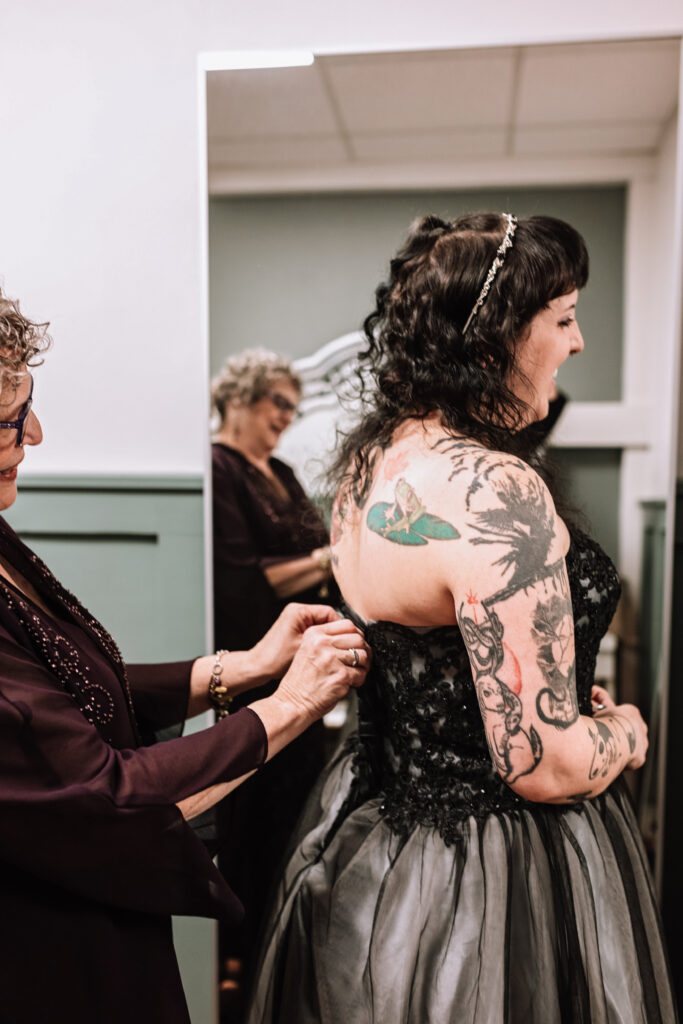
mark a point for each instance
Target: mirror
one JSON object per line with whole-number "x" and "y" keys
{"x": 314, "y": 174}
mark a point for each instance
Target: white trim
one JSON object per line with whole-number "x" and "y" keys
{"x": 246, "y": 60}
{"x": 330, "y": 355}
{"x": 205, "y": 413}
{"x": 506, "y": 171}
{"x": 558, "y": 37}
{"x": 604, "y": 425}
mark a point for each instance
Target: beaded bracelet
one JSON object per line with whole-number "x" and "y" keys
{"x": 218, "y": 694}
{"x": 324, "y": 558}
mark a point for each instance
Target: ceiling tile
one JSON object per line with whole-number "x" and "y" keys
{"x": 404, "y": 92}
{"x": 581, "y": 139}
{"x": 441, "y": 107}
{"x": 630, "y": 81}
{"x": 269, "y": 101}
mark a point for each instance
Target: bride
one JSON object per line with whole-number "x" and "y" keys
{"x": 472, "y": 854}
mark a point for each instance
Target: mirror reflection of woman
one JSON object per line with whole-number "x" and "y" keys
{"x": 270, "y": 542}
{"x": 270, "y": 546}
{"x": 473, "y": 855}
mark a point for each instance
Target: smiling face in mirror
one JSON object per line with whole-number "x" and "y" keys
{"x": 259, "y": 426}
{"x": 552, "y": 337}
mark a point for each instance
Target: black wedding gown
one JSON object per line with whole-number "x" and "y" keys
{"x": 424, "y": 891}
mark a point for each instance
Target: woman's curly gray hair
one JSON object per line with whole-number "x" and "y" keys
{"x": 247, "y": 377}
{"x": 22, "y": 342}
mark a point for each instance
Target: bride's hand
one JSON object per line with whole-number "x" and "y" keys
{"x": 273, "y": 654}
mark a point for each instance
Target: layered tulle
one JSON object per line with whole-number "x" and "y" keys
{"x": 423, "y": 890}
{"x": 540, "y": 915}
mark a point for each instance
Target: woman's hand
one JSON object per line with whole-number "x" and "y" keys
{"x": 273, "y": 654}
{"x": 332, "y": 657}
{"x": 600, "y": 699}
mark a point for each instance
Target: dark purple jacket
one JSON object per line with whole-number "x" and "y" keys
{"x": 95, "y": 856}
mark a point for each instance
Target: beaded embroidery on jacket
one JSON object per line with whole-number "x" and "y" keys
{"x": 58, "y": 653}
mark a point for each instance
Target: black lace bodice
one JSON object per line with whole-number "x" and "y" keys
{"x": 421, "y": 741}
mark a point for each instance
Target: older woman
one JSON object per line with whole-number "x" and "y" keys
{"x": 94, "y": 848}
{"x": 270, "y": 547}
{"x": 270, "y": 543}
{"x": 474, "y": 856}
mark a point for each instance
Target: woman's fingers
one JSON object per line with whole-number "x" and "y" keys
{"x": 318, "y": 614}
{"x": 600, "y": 698}
{"x": 343, "y": 635}
{"x": 337, "y": 626}
{"x": 332, "y": 657}
{"x": 353, "y": 651}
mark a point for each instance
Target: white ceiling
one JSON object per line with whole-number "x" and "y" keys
{"x": 359, "y": 114}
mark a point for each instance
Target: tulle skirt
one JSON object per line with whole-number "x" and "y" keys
{"x": 539, "y": 916}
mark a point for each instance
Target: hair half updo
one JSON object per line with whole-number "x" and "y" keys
{"x": 418, "y": 359}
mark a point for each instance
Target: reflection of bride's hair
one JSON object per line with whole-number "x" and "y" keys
{"x": 420, "y": 359}
{"x": 248, "y": 377}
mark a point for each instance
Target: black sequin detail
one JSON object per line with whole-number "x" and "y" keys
{"x": 421, "y": 743}
{"x": 56, "y": 651}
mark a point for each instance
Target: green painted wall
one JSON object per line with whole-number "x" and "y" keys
{"x": 292, "y": 272}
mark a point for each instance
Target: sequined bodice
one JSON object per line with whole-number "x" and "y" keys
{"x": 421, "y": 740}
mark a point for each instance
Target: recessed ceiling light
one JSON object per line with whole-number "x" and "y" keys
{"x": 243, "y": 60}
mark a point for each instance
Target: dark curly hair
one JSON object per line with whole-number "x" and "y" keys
{"x": 420, "y": 360}
{"x": 22, "y": 342}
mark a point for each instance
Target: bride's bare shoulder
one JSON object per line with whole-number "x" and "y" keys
{"x": 424, "y": 467}
{"x": 473, "y": 467}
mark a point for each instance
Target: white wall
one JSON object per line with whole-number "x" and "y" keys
{"x": 100, "y": 228}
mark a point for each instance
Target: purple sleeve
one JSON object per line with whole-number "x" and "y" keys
{"x": 160, "y": 692}
{"x": 102, "y": 822}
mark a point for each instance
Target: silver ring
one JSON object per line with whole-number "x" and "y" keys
{"x": 356, "y": 659}
{"x": 599, "y": 707}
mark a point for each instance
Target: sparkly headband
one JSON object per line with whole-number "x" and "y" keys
{"x": 495, "y": 267}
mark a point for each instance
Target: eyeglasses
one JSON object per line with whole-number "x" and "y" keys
{"x": 20, "y": 423}
{"x": 280, "y": 402}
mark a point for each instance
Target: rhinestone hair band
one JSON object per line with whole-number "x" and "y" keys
{"x": 494, "y": 268}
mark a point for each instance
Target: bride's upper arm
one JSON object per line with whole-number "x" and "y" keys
{"x": 511, "y": 594}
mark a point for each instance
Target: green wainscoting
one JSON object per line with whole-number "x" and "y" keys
{"x": 132, "y": 549}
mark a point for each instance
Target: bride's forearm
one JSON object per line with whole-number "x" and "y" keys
{"x": 583, "y": 762}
